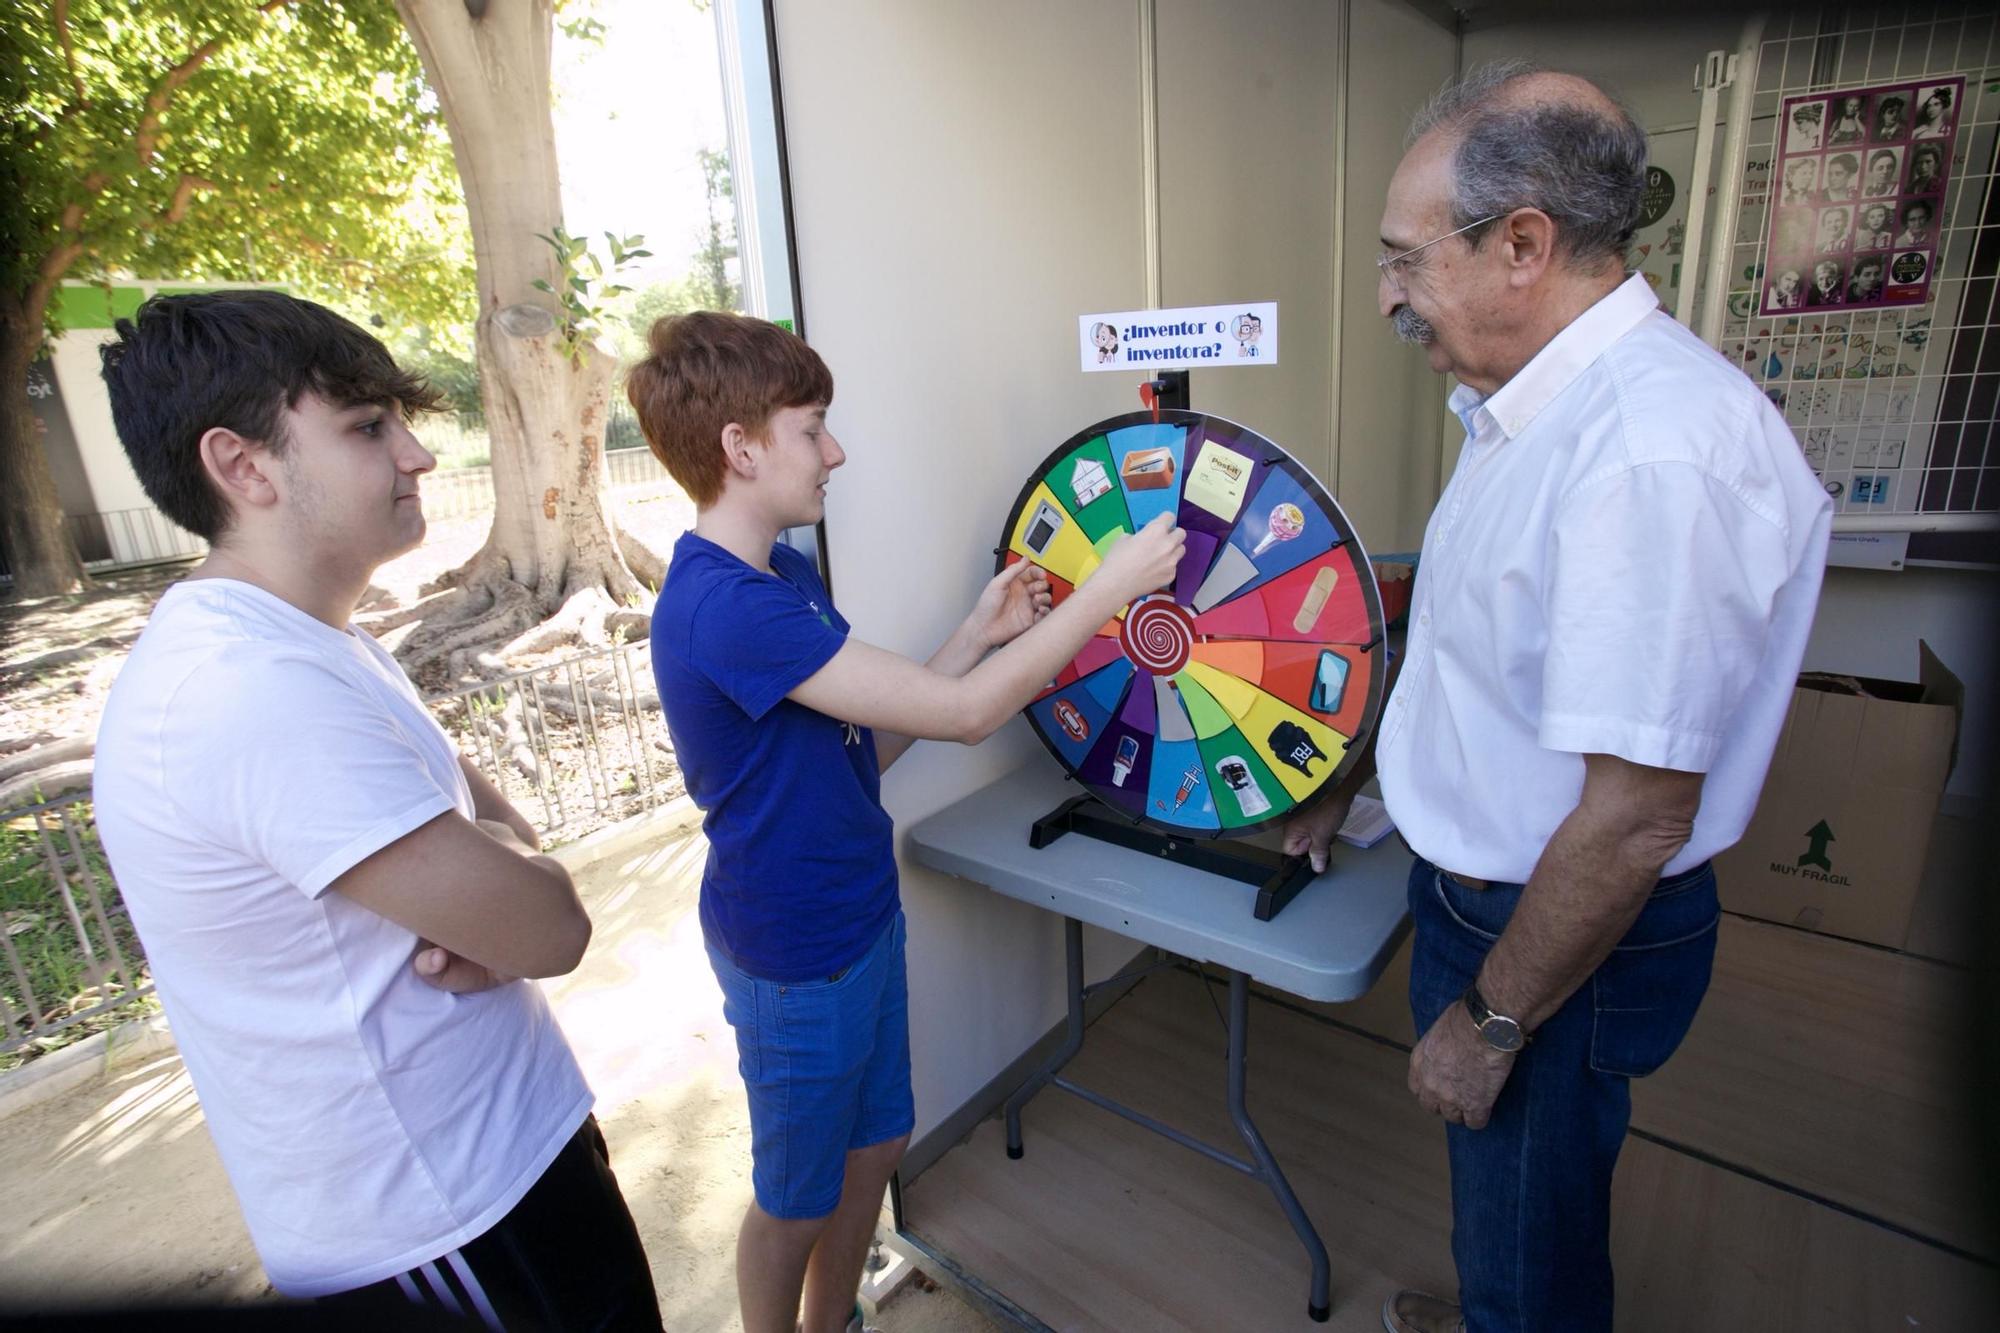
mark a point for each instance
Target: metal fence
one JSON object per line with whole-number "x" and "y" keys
{"x": 468, "y": 491}
{"x": 463, "y": 484}
{"x": 576, "y": 744}
{"x": 68, "y": 947}
{"x": 631, "y": 469}
{"x": 124, "y": 539}
{"x": 127, "y": 538}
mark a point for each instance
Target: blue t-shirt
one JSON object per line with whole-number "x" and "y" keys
{"x": 801, "y": 875}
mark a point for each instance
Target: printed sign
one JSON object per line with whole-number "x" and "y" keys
{"x": 1661, "y": 237}
{"x": 1860, "y": 185}
{"x": 1659, "y": 196}
{"x": 1192, "y": 338}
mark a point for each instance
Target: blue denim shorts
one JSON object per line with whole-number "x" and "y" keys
{"x": 827, "y": 1067}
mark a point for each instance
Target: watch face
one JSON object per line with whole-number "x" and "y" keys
{"x": 1502, "y": 1033}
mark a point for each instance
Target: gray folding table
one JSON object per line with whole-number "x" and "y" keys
{"x": 1330, "y": 943}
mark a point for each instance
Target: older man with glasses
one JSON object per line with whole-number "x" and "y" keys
{"x": 1611, "y": 607}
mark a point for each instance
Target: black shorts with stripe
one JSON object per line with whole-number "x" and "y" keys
{"x": 566, "y": 1257}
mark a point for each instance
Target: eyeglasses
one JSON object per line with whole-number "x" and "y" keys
{"x": 1394, "y": 266}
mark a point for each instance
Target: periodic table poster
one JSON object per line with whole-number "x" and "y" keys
{"x": 1860, "y": 188}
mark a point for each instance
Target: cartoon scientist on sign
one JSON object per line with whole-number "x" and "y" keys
{"x": 1106, "y": 338}
{"x": 1246, "y": 330}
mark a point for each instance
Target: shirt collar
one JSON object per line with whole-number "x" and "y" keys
{"x": 1465, "y": 402}
{"x": 1521, "y": 399}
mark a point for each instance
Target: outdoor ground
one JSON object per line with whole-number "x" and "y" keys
{"x": 114, "y": 1190}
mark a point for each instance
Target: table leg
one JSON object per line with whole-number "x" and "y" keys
{"x": 1072, "y": 1039}
{"x": 1319, "y": 1306}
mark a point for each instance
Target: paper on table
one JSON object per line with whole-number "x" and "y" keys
{"x": 1367, "y": 823}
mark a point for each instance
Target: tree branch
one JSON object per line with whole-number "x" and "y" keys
{"x": 146, "y": 138}
{"x": 177, "y": 207}
{"x": 69, "y": 53}
{"x": 56, "y": 263}
{"x": 68, "y": 248}
{"x": 35, "y": 301}
{"x": 70, "y": 224}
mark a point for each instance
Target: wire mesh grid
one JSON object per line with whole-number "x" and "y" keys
{"x": 1895, "y": 407}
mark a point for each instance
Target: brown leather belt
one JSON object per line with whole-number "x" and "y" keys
{"x": 1472, "y": 882}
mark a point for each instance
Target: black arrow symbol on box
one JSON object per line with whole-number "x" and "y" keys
{"x": 1820, "y": 835}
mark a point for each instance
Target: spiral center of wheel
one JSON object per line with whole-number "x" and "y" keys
{"x": 1158, "y": 635}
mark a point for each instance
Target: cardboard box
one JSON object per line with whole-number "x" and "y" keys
{"x": 1147, "y": 469}
{"x": 1842, "y": 829}
{"x": 1395, "y": 582}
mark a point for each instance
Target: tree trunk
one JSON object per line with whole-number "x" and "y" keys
{"x": 554, "y": 549}
{"x": 38, "y": 550}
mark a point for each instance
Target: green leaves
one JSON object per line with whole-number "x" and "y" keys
{"x": 221, "y": 140}
{"x": 584, "y": 289}
{"x": 622, "y": 252}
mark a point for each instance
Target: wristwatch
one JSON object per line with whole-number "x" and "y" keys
{"x": 1501, "y": 1032}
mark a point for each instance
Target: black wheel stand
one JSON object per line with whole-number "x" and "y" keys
{"x": 1277, "y": 878}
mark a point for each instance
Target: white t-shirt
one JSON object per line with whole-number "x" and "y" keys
{"x": 1626, "y": 561}
{"x": 248, "y": 756}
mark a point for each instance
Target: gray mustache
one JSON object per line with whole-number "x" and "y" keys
{"x": 1412, "y": 327}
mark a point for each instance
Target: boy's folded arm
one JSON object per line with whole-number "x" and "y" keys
{"x": 460, "y": 887}
{"x": 489, "y": 803}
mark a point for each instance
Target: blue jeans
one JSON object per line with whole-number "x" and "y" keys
{"x": 1531, "y": 1192}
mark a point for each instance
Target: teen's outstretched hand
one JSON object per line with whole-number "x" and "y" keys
{"x": 1010, "y": 604}
{"x": 1144, "y": 561}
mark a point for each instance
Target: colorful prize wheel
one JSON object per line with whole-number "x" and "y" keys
{"x": 1235, "y": 698}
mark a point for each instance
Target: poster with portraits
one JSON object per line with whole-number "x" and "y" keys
{"x": 1859, "y": 188}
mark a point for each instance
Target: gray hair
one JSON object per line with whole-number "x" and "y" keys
{"x": 1583, "y": 167}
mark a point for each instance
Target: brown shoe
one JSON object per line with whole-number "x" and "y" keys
{"x": 1414, "y": 1312}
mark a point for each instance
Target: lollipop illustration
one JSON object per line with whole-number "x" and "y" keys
{"x": 1287, "y": 522}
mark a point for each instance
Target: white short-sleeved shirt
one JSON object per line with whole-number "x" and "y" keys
{"x": 248, "y": 756}
{"x": 1626, "y": 561}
